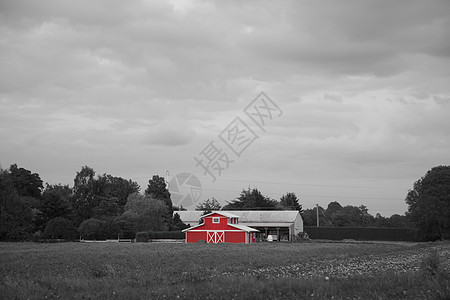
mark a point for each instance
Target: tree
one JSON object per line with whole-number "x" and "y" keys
{"x": 179, "y": 208}
{"x": 348, "y": 216}
{"x": 84, "y": 199}
{"x": 124, "y": 226}
{"x": 157, "y": 189}
{"x": 100, "y": 197}
{"x": 55, "y": 203}
{"x": 177, "y": 223}
{"x": 209, "y": 205}
{"x": 290, "y": 201}
{"x": 106, "y": 207}
{"x": 252, "y": 199}
{"x": 398, "y": 221}
{"x": 93, "y": 229}
{"x": 310, "y": 217}
{"x": 60, "y": 228}
{"x": 332, "y": 208}
{"x": 429, "y": 204}
{"x": 146, "y": 213}
{"x": 110, "y": 186}
{"x": 16, "y": 216}
{"x": 25, "y": 182}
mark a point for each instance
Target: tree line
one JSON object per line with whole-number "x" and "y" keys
{"x": 105, "y": 206}
{"x": 253, "y": 199}
{"x": 96, "y": 207}
{"x": 334, "y": 215}
{"x": 428, "y": 208}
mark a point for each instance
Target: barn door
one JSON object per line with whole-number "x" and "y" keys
{"x": 215, "y": 237}
{"x": 220, "y": 237}
{"x": 210, "y": 236}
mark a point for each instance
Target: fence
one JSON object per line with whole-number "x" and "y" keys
{"x": 361, "y": 233}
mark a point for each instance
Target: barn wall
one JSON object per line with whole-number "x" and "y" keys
{"x": 298, "y": 225}
{"x": 195, "y": 236}
{"x": 235, "y": 236}
{"x": 223, "y": 225}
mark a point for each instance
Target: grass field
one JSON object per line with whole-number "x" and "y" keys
{"x": 224, "y": 271}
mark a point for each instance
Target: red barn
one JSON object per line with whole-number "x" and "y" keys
{"x": 220, "y": 227}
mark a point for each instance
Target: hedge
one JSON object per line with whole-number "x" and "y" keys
{"x": 170, "y": 235}
{"x": 142, "y": 237}
{"x": 361, "y": 233}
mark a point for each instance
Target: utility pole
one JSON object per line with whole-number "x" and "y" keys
{"x": 167, "y": 179}
{"x": 317, "y": 210}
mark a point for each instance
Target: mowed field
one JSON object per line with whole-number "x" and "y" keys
{"x": 317, "y": 270}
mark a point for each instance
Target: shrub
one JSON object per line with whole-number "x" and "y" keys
{"x": 171, "y": 235}
{"x": 125, "y": 227}
{"x": 60, "y": 228}
{"x": 142, "y": 237}
{"x": 431, "y": 264}
{"x": 93, "y": 229}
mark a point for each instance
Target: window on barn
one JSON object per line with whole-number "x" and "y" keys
{"x": 216, "y": 220}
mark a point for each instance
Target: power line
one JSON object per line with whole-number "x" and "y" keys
{"x": 303, "y": 184}
{"x": 313, "y": 196}
{"x": 296, "y": 184}
{"x": 307, "y": 184}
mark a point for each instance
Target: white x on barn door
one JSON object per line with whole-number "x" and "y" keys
{"x": 215, "y": 237}
{"x": 220, "y": 237}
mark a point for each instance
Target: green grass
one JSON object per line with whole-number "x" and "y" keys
{"x": 224, "y": 271}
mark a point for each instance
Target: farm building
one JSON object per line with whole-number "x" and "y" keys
{"x": 220, "y": 227}
{"x": 282, "y": 224}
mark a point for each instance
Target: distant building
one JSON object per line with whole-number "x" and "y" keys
{"x": 220, "y": 227}
{"x": 281, "y": 224}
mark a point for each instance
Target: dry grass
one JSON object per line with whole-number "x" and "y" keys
{"x": 191, "y": 271}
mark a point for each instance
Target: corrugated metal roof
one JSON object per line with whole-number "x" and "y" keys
{"x": 238, "y": 226}
{"x": 252, "y": 216}
{"x": 223, "y": 213}
{"x": 265, "y": 216}
{"x": 243, "y": 227}
{"x": 271, "y": 224}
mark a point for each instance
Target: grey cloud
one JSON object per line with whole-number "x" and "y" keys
{"x": 97, "y": 81}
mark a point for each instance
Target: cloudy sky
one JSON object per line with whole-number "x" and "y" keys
{"x": 135, "y": 88}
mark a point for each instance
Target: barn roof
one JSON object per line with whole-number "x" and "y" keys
{"x": 238, "y": 226}
{"x": 223, "y": 213}
{"x": 267, "y": 216}
{"x": 260, "y": 217}
{"x": 243, "y": 227}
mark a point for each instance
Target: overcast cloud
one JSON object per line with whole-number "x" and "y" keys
{"x": 135, "y": 88}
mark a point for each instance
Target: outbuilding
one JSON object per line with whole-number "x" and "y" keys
{"x": 280, "y": 224}
{"x": 220, "y": 227}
